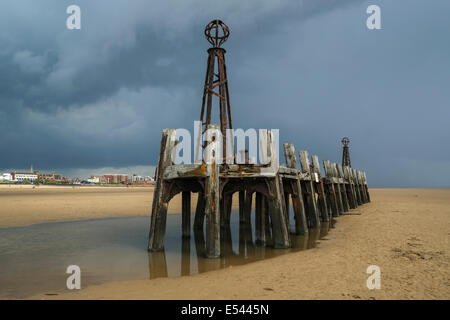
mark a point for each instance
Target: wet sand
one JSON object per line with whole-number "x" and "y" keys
{"x": 406, "y": 232}
{"x": 22, "y": 205}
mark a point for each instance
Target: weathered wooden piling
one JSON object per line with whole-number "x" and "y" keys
{"x": 333, "y": 179}
{"x": 275, "y": 192}
{"x": 160, "y": 196}
{"x": 186, "y": 214}
{"x": 357, "y": 186}
{"x": 260, "y": 217}
{"x": 301, "y": 224}
{"x": 366, "y": 186}
{"x": 199, "y": 217}
{"x": 330, "y": 190}
{"x": 342, "y": 182}
{"x": 320, "y": 190}
{"x": 242, "y": 206}
{"x": 350, "y": 187}
{"x": 312, "y": 211}
{"x": 338, "y": 188}
{"x": 185, "y": 256}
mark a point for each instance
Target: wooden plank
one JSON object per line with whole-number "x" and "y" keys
{"x": 159, "y": 207}
{"x": 315, "y": 161}
{"x": 185, "y": 171}
{"x": 304, "y": 161}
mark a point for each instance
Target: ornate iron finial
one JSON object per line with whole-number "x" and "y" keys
{"x": 217, "y": 32}
{"x": 345, "y": 141}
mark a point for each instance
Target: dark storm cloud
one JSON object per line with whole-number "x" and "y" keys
{"x": 100, "y": 96}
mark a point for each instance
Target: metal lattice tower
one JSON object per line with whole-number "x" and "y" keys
{"x": 346, "y": 153}
{"x": 216, "y": 83}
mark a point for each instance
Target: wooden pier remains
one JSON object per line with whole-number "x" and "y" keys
{"x": 314, "y": 198}
{"x": 274, "y": 188}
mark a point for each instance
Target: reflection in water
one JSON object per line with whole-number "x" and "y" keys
{"x": 157, "y": 264}
{"x": 34, "y": 259}
{"x": 247, "y": 251}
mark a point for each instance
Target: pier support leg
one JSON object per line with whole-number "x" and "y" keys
{"x": 311, "y": 205}
{"x": 267, "y": 222}
{"x": 334, "y": 201}
{"x": 322, "y": 202}
{"x": 227, "y": 204}
{"x": 241, "y": 206}
{"x": 367, "y": 193}
{"x": 186, "y": 214}
{"x": 357, "y": 186}
{"x": 337, "y": 188}
{"x": 212, "y": 211}
{"x": 351, "y": 198}
{"x": 350, "y": 188}
{"x": 200, "y": 212}
{"x": 301, "y": 223}
{"x": 185, "y": 256}
{"x": 248, "y": 207}
{"x": 345, "y": 205}
{"x": 280, "y": 233}
{"x": 312, "y": 211}
{"x": 160, "y": 199}
{"x": 260, "y": 217}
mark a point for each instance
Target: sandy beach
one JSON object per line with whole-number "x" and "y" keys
{"x": 406, "y": 232}
{"x": 22, "y": 205}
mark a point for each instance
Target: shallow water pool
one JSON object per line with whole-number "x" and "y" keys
{"x": 34, "y": 259}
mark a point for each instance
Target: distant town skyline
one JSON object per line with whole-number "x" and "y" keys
{"x": 88, "y": 172}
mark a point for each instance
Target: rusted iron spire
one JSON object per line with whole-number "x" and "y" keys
{"x": 216, "y": 83}
{"x": 346, "y": 153}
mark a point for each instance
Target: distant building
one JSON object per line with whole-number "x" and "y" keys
{"x": 6, "y": 177}
{"x": 115, "y": 178}
{"x": 94, "y": 179}
{"x": 141, "y": 179}
{"x": 50, "y": 176}
{"x": 22, "y": 176}
{"x": 136, "y": 178}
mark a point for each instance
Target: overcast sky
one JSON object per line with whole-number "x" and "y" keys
{"x": 97, "y": 99}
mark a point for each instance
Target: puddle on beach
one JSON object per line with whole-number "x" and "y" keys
{"x": 34, "y": 259}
